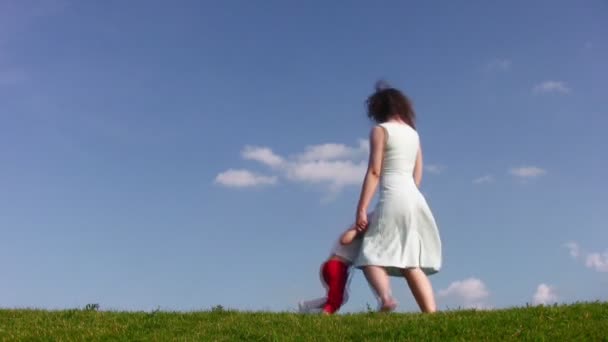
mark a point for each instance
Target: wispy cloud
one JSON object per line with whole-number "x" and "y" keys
{"x": 597, "y": 261}
{"x": 336, "y": 173}
{"x": 499, "y": 64}
{"x": 484, "y": 179}
{"x": 243, "y": 179}
{"x": 332, "y": 151}
{"x": 594, "y": 260}
{"x": 434, "y": 168}
{"x": 573, "y": 248}
{"x": 527, "y": 171}
{"x": 557, "y": 87}
{"x": 545, "y": 294}
{"x": 470, "y": 293}
{"x": 263, "y": 155}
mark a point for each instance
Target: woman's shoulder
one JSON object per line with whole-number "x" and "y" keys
{"x": 378, "y": 130}
{"x": 396, "y": 128}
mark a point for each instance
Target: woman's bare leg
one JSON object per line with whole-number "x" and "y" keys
{"x": 421, "y": 289}
{"x": 380, "y": 283}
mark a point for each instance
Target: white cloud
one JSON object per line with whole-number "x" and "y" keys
{"x": 552, "y": 87}
{"x": 471, "y": 293}
{"x": 337, "y": 173}
{"x": 544, "y": 295}
{"x": 243, "y": 179}
{"x": 527, "y": 171}
{"x": 594, "y": 260}
{"x": 332, "y": 165}
{"x": 500, "y": 64}
{"x": 332, "y": 151}
{"x": 597, "y": 261}
{"x": 434, "y": 168}
{"x": 263, "y": 155}
{"x": 483, "y": 179}
{"x": 573, "y": 248}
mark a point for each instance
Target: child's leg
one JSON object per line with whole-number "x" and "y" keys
{"x": 335, "y": 274}
{"x": 313, "y": 305}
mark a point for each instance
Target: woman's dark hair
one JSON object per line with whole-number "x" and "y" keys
{"x": 387, "y": 101}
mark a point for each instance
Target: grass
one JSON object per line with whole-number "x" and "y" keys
{"x": 577, "y": 322}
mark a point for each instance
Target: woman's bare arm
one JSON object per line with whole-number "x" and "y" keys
{"x": 374, "y": 169}
{"x": 418, "y": 168}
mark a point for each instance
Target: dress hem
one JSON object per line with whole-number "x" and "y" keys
{"x": 396, "y": 271}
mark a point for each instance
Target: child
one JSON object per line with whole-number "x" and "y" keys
{"x": 334, "y": 274}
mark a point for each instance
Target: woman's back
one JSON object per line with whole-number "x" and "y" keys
{"x": 400, "y": 153}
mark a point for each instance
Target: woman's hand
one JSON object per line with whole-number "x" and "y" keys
{"x": 362, "y": 222}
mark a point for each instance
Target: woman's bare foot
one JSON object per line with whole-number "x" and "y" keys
{"x": 389, "y": 306}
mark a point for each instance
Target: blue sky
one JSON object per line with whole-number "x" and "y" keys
{"x": 192, "y": 153}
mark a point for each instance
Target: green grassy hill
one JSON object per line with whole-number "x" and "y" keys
{"x": 578, "y": 322}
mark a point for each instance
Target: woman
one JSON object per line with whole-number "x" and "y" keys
{"x": 401, "y": 238}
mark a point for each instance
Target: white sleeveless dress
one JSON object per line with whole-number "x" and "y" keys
{"x": 402, "y": 232}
